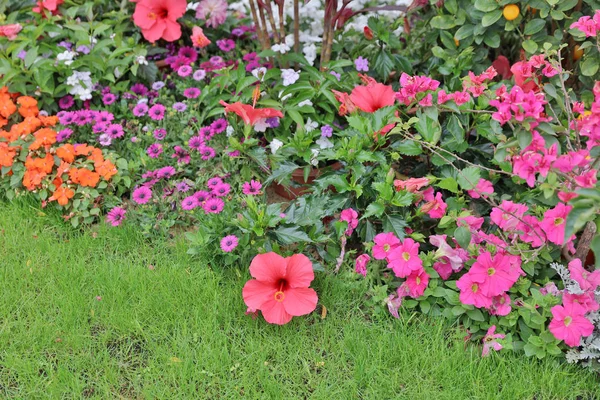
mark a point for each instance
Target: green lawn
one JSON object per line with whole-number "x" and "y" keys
{"x": 178, "y": 330}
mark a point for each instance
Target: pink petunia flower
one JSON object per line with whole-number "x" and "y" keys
{"x": 588, "y": 281}
{"x": 500, "y": 305}
{"x": 360, "y": 265}
{"x": 351, "y": 217}
{"x": 384, "y": 243}
{"x": 489, "y": 341}
{"x": 554, "y": 223}
{"x": 495, "y": 275}
{"x": 404, "y": 258}
{"x": 570, "y": 324}
{"x": 416, "y": 283}
{"x": 471, "y": 293}
{"x": 483, "y": 188}
{"x": 508, "y": 214}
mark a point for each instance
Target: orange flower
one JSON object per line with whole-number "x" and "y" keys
{"x": 50, "y": 120}
{"x": 62, "y": 195}
{"x": 7, "y": 107}
{"x": 66, "y": 153}
{"x": 43, "y": 137}
{"x": 62, "y": 168}
{"x": 33, "y": 178}
{"x": 28, "y": 106}
{"x": 43, "y": 164}
{"x": 7, "y": 155}
{"x": 96, "y": 156}
{"x": 106, "y": 169}
{"x": 83, "y": 149}
{"x": 84, "y": 177}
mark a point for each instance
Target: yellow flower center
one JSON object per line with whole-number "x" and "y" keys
{"x": 386, "y": 247}
{"x": 568, "y": 321}
{"x": 474, "y": 288}
{"x": 418, "y": 280}
{"x": 152, "y": 15}
{"x": 406, "y": 256}
{"x": 279, "y": 296}
{"x": 558, "y": 221}
{"x": 491, "y": 271}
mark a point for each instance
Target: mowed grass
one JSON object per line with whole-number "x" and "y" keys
{"x": 170, "y": 327}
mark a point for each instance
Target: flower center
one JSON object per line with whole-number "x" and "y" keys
{"x": 386, "y": 247}
{"x": 491, "y": 271}
{"x": 279, "y": 296}
{"x": 558, "y": 221}
{"x": 406, "y": 256}
{"x": 568, "y": 321}
{"x": 474, "y": 288}
{"x": 152, "y": 15}
{"x": 418, "y": 280}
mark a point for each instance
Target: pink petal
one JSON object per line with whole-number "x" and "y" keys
{"x": 275, "y": 313}
{"x": 172, "y": 31}
{"x": 268, "y": 267}
{"x": 256, "y": 293}
{"x": 155, "y": 32}
{"x": 300, "y": 301}
{"x": 299, "y": 272}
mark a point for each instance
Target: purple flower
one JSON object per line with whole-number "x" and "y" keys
{"x": 139, "y": 89}
{"x": 82, "y": 117}
{"x": 160, "y": 134}
{"x": 179, "y": 106}
{"x": 188, "y": 52}
{"x": 191, "y": 93}
{"x": 250, "y": 57}
{"x": 116, "y": 216}
{"x": 64, "y": 135}
{"x": 213, "y": 11}
{"x": 196, "y": 143}
{"x": 226, "y": 45}
{"x": 157, "y": 112}
{"x": 202, "y": 196}
{"x": 134, "y": 139}
{"x": 213, "y": 182}
{"x": 183, "y": 187}
{"x": 99, "y": 127}
{"x": 189, "y": 203}
{"x": 181, "y": 155}
{"x": 65, "y": 44}
{"x": 184, "y": 70}
{"x": 207, "y": 153}
{"x": 165, "y": 172}
{"x": 140, "y": 109}
{"x": 154, "y": 150}
{"x": 338, "y": 76}
{"x": 221, "y": 190}
{"x": 229, "y": 243}
{"x": 104, "y": 116}
{"x": 238, "y": 32}
{"x": 158, "y": 85}
{"x": 219, "y": 125}
{"x": 142, "y": 195}
{"x": 213, "y": 206}
{"x": 66, "y": 102}
{"x": 326, "y": 131}
{"x": 104, "y": 139}
{"x": 251, "y": 188}
{"x": 83, "y": 49}
{"x": 216, "y": 60}
{"x": 362, "y": 64}
{"x": 199, "y": 75}
{"x": 273, "y": 122}
{"x": 67, "y": 118}
{"x": 115, "y": 131}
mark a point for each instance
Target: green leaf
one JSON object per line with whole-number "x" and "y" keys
{"x": 291, "y": 235}
{"x": 408, "y": 147}
{"x": 530, "y": 46}
{"x": 462, "y": 234}
{"x": 486, "y": 5}
{"x": 476, "y": 315}
{"x": 396, "y": 224}
{"x": 442, "y": 22}
{"x": 464, "y": 32}
{"x": 491, "y": 17}
{"x": 374, "y": 209}
{"x": 534, "y": 26}
{"x": 589, "y": 66}
{"x": 449, "y": 184}
{"x": 468, "y": 178}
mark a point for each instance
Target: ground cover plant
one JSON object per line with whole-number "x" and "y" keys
{"x": 447, "y": 166}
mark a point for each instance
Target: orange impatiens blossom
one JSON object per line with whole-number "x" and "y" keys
{"x": 96, "y": 155}
{"x": 66, "y": 153}
{"x": 7, "y": 107}
{"x": 37, "y": 169}
{"x": 50, "y": 120}
{"x": 83, "y": 149}
{"x": 62, "y": 195}
{"x": 43, "y": 137}
{"x": 84, "y": 177}
{"x": 106, "y": 169}
{"x": 7, "y": 155}
{"x": 28, "y": 106}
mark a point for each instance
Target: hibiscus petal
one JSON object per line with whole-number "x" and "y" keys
{"x": 256, "y": 293}
{"x": 156, "y": 32}
{"x": 300, "y": 301}
{"x": 299, "y": 272}
{"x": 268, "y": 267}
{"x": 172, "y": 31}
{"x": 141, "y": 17}
{"x": 275, "y": 313}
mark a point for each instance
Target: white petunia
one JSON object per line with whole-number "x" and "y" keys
{"x": 141, "y": 60}
{"x": 259, "y": 73}
{"x": 275, "y": 145}
{"x": 66, "y": 56}
{"x": 261, "y": 125}
{"x": 281, "y": 48}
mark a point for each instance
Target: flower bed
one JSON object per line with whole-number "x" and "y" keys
{"x": 465, "y": 181}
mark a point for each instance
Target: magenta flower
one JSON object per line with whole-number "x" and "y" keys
{"x": 221, "y": 190}
{"x": 226, "y": 45}
{"x": 154, "y": 150}
{"x": 191, "y": 93}
{"x": 405, "y": 258}
{"x": 570, "y": 324}
{"x": 202, "y": 196}
{"x": 189, "y": 203}
{"x": 218, "y": 125}
{"x": 554, "y": 223}
{"x": 213, "y": 206}
{"x": 140, "y": 109}
{"x": 351, "y": 217}
{"x": 66, "y": 102}
{"x": 360, "y": 265}
{"x": 483, "y": 188}
{"x": 207, "y": 153}
{"x": 213, "y": 182}
{"x": 115, "y": 216}
{"x": 394, "y": 303}
{"x": 229, "y": 243}
{"x": 182, "y": 156}
{"x": 157, "y": 112}
{"x": 115, "y": 131}
{"x": 179, "y": 106}
{"x": 489, "y": 341}
{"x": 471, "y": 293}
{"x": 189, "y": 53}
{"x": 196, "y": 143}
{"x": 495, "y": 275}
{"x": 64, "y": 134}
{"x": 142, "y": 195}
{"x": 416, "y": 283}
{"x": 588, "y": 281}
{"x": 251, "y": 188}
{"x": 500, "y": 305}
{"x": 184, "y": 70}
{"x": 384, "y": 243}
{"x": 508, "y": 214}
{"x": 108, "y": 99}
{"x": 446, "y": 254}
{"x": 160, "y": 133}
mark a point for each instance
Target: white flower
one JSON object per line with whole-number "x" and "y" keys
{"x": 306, "y": 102}
{"x": 259, "y": 73}
{"x": 324, "y": 143}
{"x": 141, "y": 60}
{"x": 81, "y": 83}
{"x": 313, "y": 157}
{"x": 310, "y": 53}
{"x": 143, "y": 100}
{"x": 192, "y": 6}
{"x": 117, "y": 73}
{"x": 275, "y": 145}
{"x": 284, "y": 98}
{"x": 229, "y": 131}
{"x": 113, "y": 35}
{"x": 311, "y": 125}
{"x": 66, "y": 56}
{"x": 281, "y": 48}
{"x": 289, "y": 76}
{"x": 261, "y": 125}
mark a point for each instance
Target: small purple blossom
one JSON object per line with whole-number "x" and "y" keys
{"x": 219, "y": 125}
{"x": 326, "y": 131}
{"x": 157, "y": 112}
{"x": 221, "y": 190}
{"x": 196, "y": 143}
{"x": 207, "y": 153}
{"x": 362, "y": 64}
{"x": 99, "y": 128}
{"x": 116, "y": 216}
{"x": 66, "y": 102}
{"x": 140, "y": 109}
{"x": 226, "y": 45}
{"x": 142, "y": 195}
{"x": 104, "y": 139}
{"x": 139, "y": 89}
{"x": 165, "y": 172}
{"x": 184, "y": 70}
{"x": 154, "y": 150}
{"x": 273, "y": 122}
{"x": 191, "y": 93}
{"x": 179, "y": 106}
{"x": 213, "y": 206}
{"x": 199, "y": 75}
{"x": 229, "y": 243}
{"x": 337, "y": 75}
{"x": 83, "y": 49}
{"x": 182, "y": 156}
{"x": 64, "y": 134}
{"x": 115, "y": 131}
{"x": 251, "y": 188}
{"x": 183, "y": 187}
{"x": 189, "y": 203}
{"x": 160, "y": 133}
{"x": 214, "y": 181}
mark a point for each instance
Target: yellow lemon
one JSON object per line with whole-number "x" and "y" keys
{"x": 577, "y": 53}
{"x": 511, "y": 12}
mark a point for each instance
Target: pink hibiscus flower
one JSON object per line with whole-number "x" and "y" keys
{"x": 570, "y": 324}
{"x": 404, "y": 259}
{"x": 280, "y": 288}
{"x": 158, "y": 19}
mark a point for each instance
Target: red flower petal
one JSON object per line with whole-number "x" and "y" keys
{"x": 274, "y": 313}
{"x": 300, "y": 301}
{"x": 268, "y": 267}
{"x": 256, "y": 293}
{"x": 299, "y": 272}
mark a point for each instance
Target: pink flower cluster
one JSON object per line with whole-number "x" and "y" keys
{"x": 520, "y": 105}
{"x": 476, "y": 84}
{"x": 433, "y": 205}
{"x": 411, "y": 86}
{"x": 569, "y": 322}
{"x": 210, "y": 201}
{"x": 588, "y": 124}
{"x": 588, "y": 25}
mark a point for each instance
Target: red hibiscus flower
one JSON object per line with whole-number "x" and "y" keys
{"x": 372, "y": 97}
{"x": 158, "y": 18}
{"x": 249, "y": 114}
{"x": 50, "y": 5}
{"x": 280, "y": 289}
